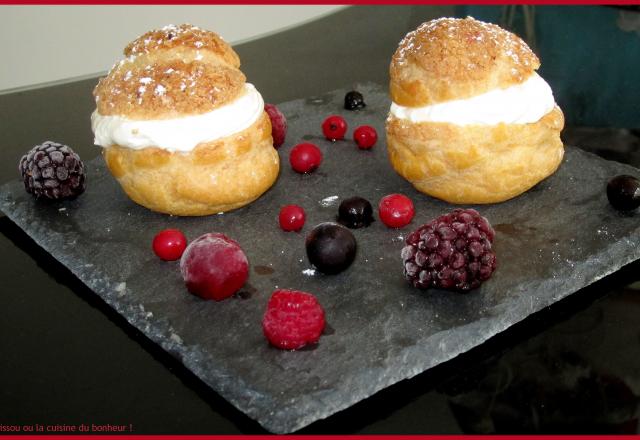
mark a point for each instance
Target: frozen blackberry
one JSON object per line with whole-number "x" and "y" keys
{"x": 451, "y": 252}
{"x": 52, "y": 171}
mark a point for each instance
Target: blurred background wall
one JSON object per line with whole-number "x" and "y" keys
{"x": 42, "y": 44}
{"x": 590, "y": 56}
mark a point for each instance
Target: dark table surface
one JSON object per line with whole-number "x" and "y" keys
{"x": 67, "y": 358}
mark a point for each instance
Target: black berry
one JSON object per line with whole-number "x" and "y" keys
{"x": 355, "y": 212}
{"x": 623, "y": 192}
{"x": 52, "y": 171}
{"x": 331, "y": 248}
{"x": 451, "y": 252}
{"x": 354, "y": 101}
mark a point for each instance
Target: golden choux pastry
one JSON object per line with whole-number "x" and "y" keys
{"x": 471, "y": 121}
{"x": 181, "y": 130}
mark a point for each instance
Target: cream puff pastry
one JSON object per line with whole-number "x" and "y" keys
{"x": 181, "y": 130}
{"x": 471, "y": 120}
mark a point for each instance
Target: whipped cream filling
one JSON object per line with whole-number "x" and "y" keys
{"x": 520, "y": 104}
{"x": 179, "y": 134}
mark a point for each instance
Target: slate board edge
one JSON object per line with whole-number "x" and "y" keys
{"x": 409, "y": 373}
{"x": 152, "y": 330}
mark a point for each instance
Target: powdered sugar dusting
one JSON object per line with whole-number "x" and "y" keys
{"x": 170, "y": 36}
{"x": 193, "y": 60}
{"x": 454, "y": 35}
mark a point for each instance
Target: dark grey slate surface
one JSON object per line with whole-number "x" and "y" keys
{"x": 555, "y": 239}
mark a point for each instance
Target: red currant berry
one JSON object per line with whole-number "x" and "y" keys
{"x": 396, "y": 210}
{"x": 291, "y": 218}
{"x": 365, "y": 136}
{"x": 169, "y": 244}
{"x": 334, "y": 127}
{"x": 305, "y": 158}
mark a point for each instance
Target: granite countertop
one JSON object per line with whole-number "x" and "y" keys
{"x": 70, "y": 359}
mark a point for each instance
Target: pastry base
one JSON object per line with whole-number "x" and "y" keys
{"x": 215, "y": 177}
{"x": 475, "y": 163}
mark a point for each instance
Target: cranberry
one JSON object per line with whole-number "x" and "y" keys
{"x": 334, "y": 127}
{"x": 365, "y": 136}
{"x": 305, "y": 157}
{"x": 291, "y": 218}
{"x": 214, "y": 266}
{"x": 396, "y": 210}
{"x": 169, "y": 244}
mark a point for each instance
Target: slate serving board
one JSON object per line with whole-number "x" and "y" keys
{"x": 555, "y": 239}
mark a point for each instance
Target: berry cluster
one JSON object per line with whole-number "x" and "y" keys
{"x": 331, "y": 247}
{"x": 334, "y": 128}
{"x": 215, "y": 267}
{"x": 452, "y": 251}
{"x": 307, "y": 157}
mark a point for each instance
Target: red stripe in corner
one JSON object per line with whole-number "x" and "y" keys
{"x": 322, "y": 437}
{"x": 314, "y": 2}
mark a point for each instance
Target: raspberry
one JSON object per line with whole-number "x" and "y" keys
{"x": 278, "y": 124}
{"x": 52, "y": 171}
{"x": 293, "y": 319}
{"x": 451, "y": 252}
